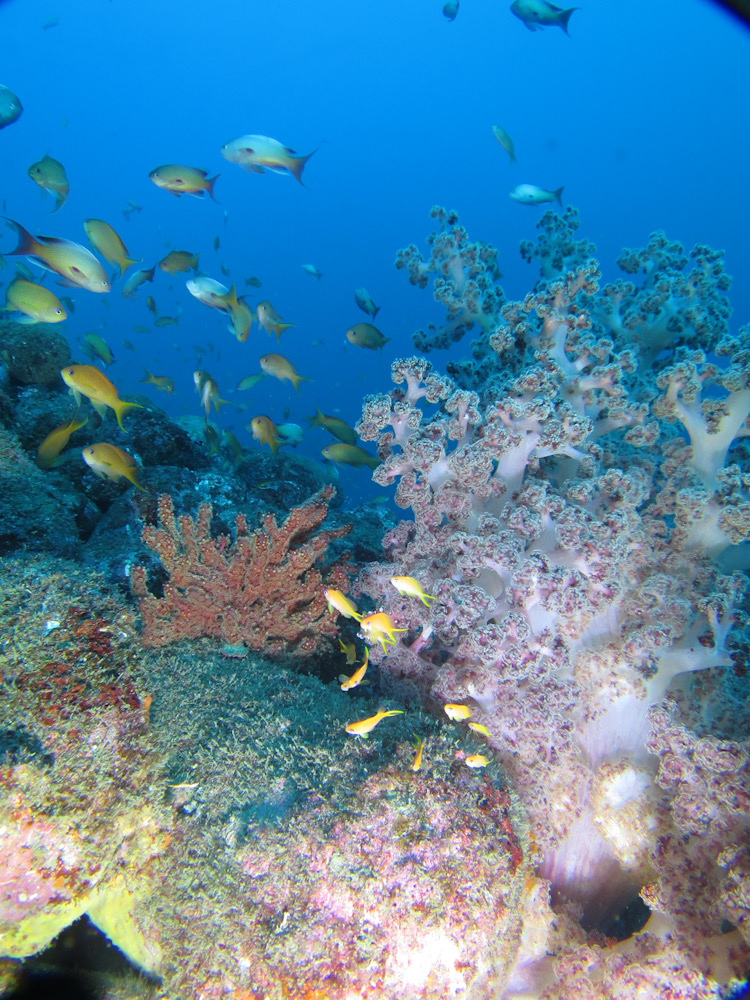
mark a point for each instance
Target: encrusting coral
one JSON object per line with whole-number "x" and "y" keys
{"x": 262, "y": 590}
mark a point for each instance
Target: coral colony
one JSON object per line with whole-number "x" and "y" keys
{"x": 579, "y": 493}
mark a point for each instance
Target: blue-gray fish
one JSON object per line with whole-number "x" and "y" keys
{"x": 532, "y": 194}
{"x": 538, "y": 14}
{"x": 10, "y": 107}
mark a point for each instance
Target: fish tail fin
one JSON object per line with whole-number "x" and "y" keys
{"x": 121, "y": 408}
{"x": 373, "y": 462}
{"x": 297, "y": 165}
{"x": 296, "y": 379}
{"x": 149, "y": 377}
{"x": 274, "y": 444}
{"x": 27, "y": 245}
{"x": 132, "y": 476}
{"x": 59, "y": 202}
{"x": 125, "y": 263}
{"x": 564, "y": 18}
{"x": 210, "y": 181}
{"x": 231, "y": 300}
{"x": 219, "y": 402}
{"x": 513, "y": 157}
{"x": 279, "y": 328}
{"x": 558, "y": 191}
{"x": 317, "y": 419}
{"x": 377, "y": 310}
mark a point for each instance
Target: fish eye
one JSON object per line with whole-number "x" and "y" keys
{"x": 249, "y": 149}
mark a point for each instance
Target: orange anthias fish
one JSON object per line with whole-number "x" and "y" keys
{"x": 270, "y": 320}
{"x": 86, "y": 380}
{"x": 365, "y": 726}
{"x": 457, "y": 712}
{"x": 208, "y": 390}
{"x": 183, "y": 180}
{"x": 278, "y": 366}
{"x": 264, "y": 431}
{"x": 380, "y": 627}
{"x": 110, "y": 462}
{"x": 340, "y": 602}
{"x": 48, "y": 452}
{"x": 347, "y": 683}
{"x": 407, "y": 585}
{"x": 75, "y": 264}
{"x": 417, "y": 762}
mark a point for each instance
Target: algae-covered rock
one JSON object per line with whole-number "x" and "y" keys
{"x": 33, "y": 353}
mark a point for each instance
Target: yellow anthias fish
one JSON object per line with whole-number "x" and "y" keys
{"x": 356, "y": 678}
{"x": 97, "y": 347}
{"x": 48, "y": 452}
{"x": 208, "y": 390}
{"x": 256, "y": 153}
{"x": 50, "y": 175}
{"x": 366, "y": 335}
{"x": 407, "y": 585}
{"x": 341, "y": 603}
{"x": 264, "y": 431}
{"x": 37, "y": 303}
{"x": 349, "y": 454}
{"x": 278, "y": 366}
{"x": 74, "y": 263}
{"x": 103, "y": 238}
{"x": 505, "y": 141}
{"x": 417, "y": 762}
{"x": 179, "y": 260}
{"x": 479, "y": 728}
{"x": 163, "y": 382}
{"x": 85, "y": 380}
{"x": 334, "y": 425}
{"x": 477, "y": 760}
{"x": 183, "y": 180}
{"x": 166, "y": 321}
{"x": 457, "y": 712}
{"x": 380, "y": 627}
{"x": 110, "y": 462}
{"x": 365, "y": 726}
{"x": 349, "y": 650}
{"x": 241, "y": 315}
{"x": 269, "y": 320}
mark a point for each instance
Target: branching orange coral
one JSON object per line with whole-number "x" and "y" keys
{"x": 262, "y": 590}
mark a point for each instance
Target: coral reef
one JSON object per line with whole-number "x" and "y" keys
{"x": 262, "y": 590}
{"x": 577, "y": 518}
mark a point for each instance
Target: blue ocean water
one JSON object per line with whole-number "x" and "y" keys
{"x": 636, "y": 114}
